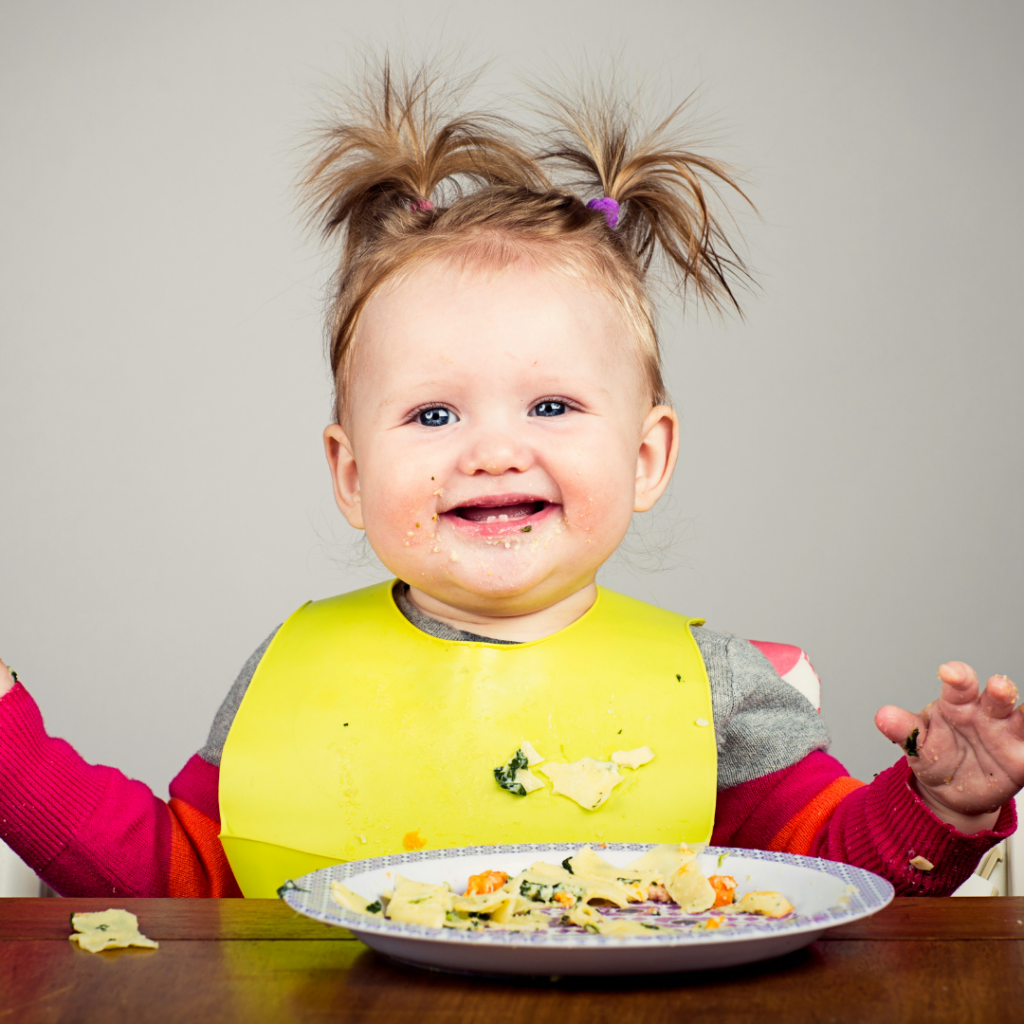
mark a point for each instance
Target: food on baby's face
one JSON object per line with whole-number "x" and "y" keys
{"x": 664, "y": 876}
{"x": 108, "y": 929}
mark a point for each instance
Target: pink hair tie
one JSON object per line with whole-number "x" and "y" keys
{"x": 609, "y": 207}
{"x": 421, "y": 204}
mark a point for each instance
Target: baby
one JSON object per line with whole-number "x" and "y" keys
{"x": 500, "y": 416}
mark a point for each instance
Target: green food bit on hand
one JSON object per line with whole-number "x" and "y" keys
{"x": 526, "y": 529}
{"x": 506, "y": 776}
{"x": 911, "y": 746}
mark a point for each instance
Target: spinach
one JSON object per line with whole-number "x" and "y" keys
{"x": 289, "y": 886}
{"x": 373, "y": 908}
{"x": 506, "y": 775}
{"x": 536, "y": 891}
{"x": 541, "y": 892}
{"x": 911, "y": 747}
{"x": 568, "y": 866}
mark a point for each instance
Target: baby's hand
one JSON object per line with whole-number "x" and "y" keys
{"x": 966, "y": 749}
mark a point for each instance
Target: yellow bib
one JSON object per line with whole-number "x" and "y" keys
{"x": 360, "y": 732}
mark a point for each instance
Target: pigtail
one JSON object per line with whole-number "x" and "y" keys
{"x": 380, "y": 162}
{"x": 664, "y": 192}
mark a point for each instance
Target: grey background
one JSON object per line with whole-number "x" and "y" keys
{"x": 851, "y": 475}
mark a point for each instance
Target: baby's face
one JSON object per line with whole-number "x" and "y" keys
{"x": 498, "y": 435}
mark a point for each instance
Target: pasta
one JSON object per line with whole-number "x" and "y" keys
{"x": 588, "y": 781}
{"x": 664, "y": 890}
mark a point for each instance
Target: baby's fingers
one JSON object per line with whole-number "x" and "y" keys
{"x": 999, "y": 698}
{"x": 959, "y": 683}
{"x": 899, "y": 726}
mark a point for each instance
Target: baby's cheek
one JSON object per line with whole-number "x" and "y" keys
{"x": 405, "y": 524}
{"x": 601, "y": 503}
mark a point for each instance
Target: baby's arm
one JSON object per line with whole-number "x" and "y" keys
{"x": 88, "y": 830}
{"x": 780, "y": 791}
{"x": 814, "y": 808}
{"x": 966, "y": 749}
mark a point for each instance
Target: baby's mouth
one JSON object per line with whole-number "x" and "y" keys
{"x": 499, "y": 513}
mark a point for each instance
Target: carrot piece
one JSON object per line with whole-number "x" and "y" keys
{"x": 725, "y": 887}
{"x": 485, "y": 882}
{"x": 413, "y": 840}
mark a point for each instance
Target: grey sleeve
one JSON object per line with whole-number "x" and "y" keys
{"x": 229, "y": 708}
{"x": 762, "y": 724}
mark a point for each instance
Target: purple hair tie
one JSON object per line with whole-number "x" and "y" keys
{"x": 420, "y": 204}
{"x": 609, "y": 207}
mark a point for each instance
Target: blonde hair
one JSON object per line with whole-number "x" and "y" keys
{"x": 401, "y": 180}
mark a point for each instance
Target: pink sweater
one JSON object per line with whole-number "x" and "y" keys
{"x": 88, "y": 830}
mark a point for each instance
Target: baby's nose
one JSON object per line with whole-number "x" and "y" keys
{"x": 496, "y": 452}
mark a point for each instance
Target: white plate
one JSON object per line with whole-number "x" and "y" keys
{"x": 823, "y": 893}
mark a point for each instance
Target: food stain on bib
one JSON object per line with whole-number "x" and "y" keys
{"x": 413, "y": 840}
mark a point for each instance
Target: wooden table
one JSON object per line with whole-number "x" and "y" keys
{"x": 927, "y": 960}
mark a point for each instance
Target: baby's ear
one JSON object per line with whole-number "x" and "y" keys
{"x": 659, "y": 447}
{"x": 342, "y": 461}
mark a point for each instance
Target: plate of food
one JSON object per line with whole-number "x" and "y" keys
{"x": 606, "y": 908}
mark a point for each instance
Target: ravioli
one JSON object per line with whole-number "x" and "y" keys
{"x": 586, "y": 781}
{"x": 633, "y": 758}
{"x": 663, "y": 874}
{"x": 108, "y": 929}
{"x": 680, "y": 874}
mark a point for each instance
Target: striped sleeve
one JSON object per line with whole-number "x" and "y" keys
{"x": 198, "y": 865}
{"x": 89, "y": 830}
{"x": 780, "y": 790}
{"x": 815, "y": 808}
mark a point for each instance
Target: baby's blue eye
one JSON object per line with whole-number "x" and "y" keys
{"x": 437, "y": 417}
{"x": 549, "y": 408}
